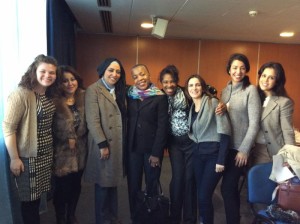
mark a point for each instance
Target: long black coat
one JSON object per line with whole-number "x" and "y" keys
{"x": 148, "y": 125}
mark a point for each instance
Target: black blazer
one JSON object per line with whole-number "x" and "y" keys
{"x": 148, "y": 125}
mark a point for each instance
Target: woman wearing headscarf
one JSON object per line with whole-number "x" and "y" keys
{"x": 105, "y": 116}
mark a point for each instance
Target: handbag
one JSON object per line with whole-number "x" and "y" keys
{"x": 286, "y": 216}
{"x": 152, "y": 209}
{"x": 289, "y": 195}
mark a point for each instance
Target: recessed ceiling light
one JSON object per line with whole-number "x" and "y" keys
{"x": 147, "y": 25}
{"x": 253, "y": 13}
{"x": 287, "y": 34}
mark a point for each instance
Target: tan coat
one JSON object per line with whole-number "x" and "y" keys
{"x": 65, "y": 161}
{"x": 105, "y": 124}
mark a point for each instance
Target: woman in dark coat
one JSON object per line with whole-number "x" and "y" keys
{"x": 147, "y": 134}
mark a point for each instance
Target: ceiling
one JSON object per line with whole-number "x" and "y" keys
{"x": 192, "y": 19}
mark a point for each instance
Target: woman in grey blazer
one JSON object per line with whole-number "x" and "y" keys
{"x": 276, "y": 125}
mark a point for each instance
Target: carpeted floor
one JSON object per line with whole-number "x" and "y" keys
{"x": 85, "y": 209}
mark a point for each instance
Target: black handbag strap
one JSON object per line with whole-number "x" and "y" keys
{"x": 158, "y": 187}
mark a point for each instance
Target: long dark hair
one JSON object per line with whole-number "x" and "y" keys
{"x": 60, "y": 76}
{"x": 244, "y": 59}
{"x": 29, "y": 79}
{"x": 278, "y": 89}
{"x": 203, "y": 84}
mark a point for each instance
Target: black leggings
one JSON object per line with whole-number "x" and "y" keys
{"x": 30, "y": 211}
{"x": 66, "y": 193}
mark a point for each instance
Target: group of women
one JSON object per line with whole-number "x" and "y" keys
{"x": 53, "y": 126}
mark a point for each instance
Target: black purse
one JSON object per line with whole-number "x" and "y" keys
{"x": 152, "y": 209}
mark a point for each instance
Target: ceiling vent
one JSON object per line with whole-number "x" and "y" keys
{"x": 104, "y": 3}
{"x": 106, "y": 21}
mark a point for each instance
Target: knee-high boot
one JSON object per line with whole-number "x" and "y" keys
{"x": 74, "y": 197}
{"x": 60, "y": 211}
{"x": 71, "y": 206}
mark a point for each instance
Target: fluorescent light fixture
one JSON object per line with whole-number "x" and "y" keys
{"x": 287, "y": 34}
{"x": 147, "y": 25}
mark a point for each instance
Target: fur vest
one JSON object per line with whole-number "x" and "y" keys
{"x": 65, "y": 161}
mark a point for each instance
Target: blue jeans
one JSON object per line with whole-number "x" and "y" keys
{"x": 206, "y": 179}
{"x": 106, "y": 203}
{"x": 183, "y": 184}
{"x": 137, "y": 164}
{"x": 229, "y": 189}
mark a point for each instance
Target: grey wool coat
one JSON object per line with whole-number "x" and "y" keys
{"x": 65, "y": 161}
{"x": 104, "y": 122}
{"x": 244, "y": 109}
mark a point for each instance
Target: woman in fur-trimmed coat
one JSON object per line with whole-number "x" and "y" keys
{"x": 70, "y": 144}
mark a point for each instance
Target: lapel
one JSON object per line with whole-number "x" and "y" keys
{"x": 271, "y": 105}
{"x": 203, "y": 102}
{"x": 107, "y": 94}
{"x": 202, "y": 107}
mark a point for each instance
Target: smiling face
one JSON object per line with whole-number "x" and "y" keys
{"x": 141, "y": 77}
{"x": 169, "y": 84}
{"x": 267, "y": 81}
{"x": 194, "y": 88}
{"x": 237, "y": 71}
{"x": 112, "y": 73}
{"x": 70, "y": 84}
{"x": 45, "y": 75}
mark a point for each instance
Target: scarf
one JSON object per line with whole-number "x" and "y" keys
{"x": 110, "y": 89}
{"x": 178, "y": 101}
{"x": 178, "y": 113}
{"x": 135, "y": 93}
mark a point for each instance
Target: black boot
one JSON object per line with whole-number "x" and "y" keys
{"x": 60, "y": 211}
{"x": 71, "y": 208}
{"x": 74, "y": 197}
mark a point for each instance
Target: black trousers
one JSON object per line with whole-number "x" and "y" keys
{"x": 183, "y": 184}
{"x": 229, "y": 189}
{"x": 138, "y": 163}
{"x": 30, "y": 211}
{"x": 66, "y": 194}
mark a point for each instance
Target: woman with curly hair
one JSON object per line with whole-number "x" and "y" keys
{"x": 27, "y": 128}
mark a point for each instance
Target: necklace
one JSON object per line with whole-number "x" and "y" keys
{"x": 70, "y": 101}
